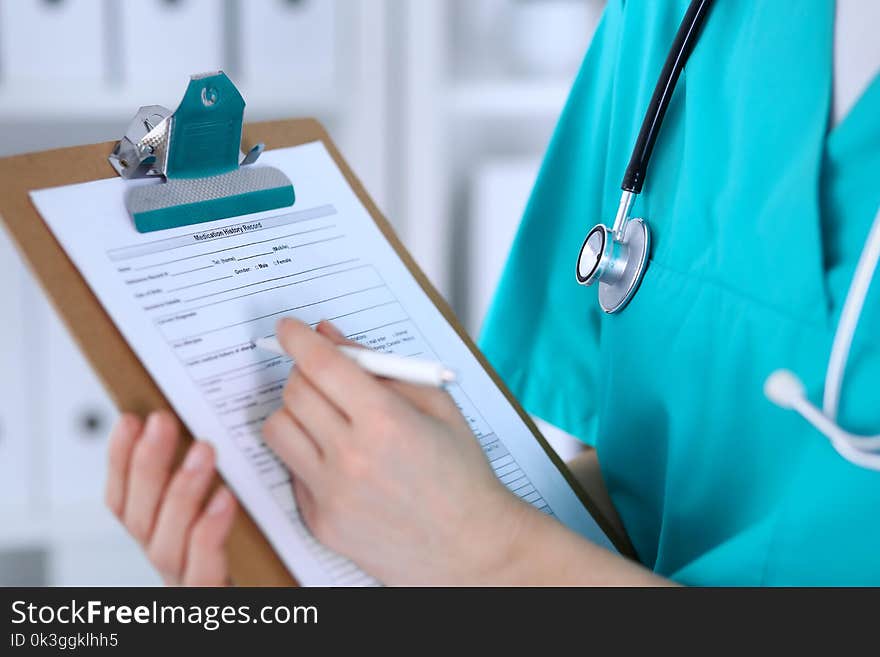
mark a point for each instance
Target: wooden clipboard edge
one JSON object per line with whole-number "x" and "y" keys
{"x": 620, "y": 542}
{"x": 252, "y": 559}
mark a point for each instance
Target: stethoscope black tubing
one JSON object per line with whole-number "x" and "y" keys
{"x": 685, "y": 40}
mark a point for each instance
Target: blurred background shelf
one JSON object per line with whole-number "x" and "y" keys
{"x": 493, "y": 99}
{"x": 443, "y": 108}
{"x": 99, "y": 101}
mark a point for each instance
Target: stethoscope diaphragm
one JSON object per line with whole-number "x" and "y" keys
{"x": 618, "y": 265}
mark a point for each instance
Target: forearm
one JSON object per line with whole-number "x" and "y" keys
{"x": 543, "y": 552}
{"x": 546, "y": 553}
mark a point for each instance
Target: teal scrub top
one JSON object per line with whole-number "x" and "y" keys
{"x": 759, "y": 211}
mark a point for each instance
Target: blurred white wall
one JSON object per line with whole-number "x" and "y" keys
{"x": 443, "y": 107}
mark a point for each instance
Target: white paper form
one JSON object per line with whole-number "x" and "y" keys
{"x": 190, "y": 301}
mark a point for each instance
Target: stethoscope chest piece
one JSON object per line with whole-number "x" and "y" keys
{"x": 615, "y": 294}
{"x": 617, "y": 264}
{"x": 616, "y": 257}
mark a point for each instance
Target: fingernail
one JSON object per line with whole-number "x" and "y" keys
{"x": 332, "y": 328}
{"x": 195, "y": 459}
{"x": 220, "y": 503}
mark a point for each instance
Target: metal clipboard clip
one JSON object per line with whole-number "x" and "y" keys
{"x": 197, "y": 150}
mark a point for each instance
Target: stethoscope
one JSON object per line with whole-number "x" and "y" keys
{"x": 617, "y": 258}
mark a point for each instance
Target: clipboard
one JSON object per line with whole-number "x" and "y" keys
{"x": 252, "y": 561}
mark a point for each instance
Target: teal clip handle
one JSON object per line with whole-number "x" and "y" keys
{"x": 204, "y": 179}
{"x": 206, "y": 129}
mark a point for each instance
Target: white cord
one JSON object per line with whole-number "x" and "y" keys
{"x": 834, "y": 431}
{"x": 849, "y": 320}
{"x": 785, "y": 390}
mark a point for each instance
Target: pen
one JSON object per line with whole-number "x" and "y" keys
{"x": 390, "y": 366}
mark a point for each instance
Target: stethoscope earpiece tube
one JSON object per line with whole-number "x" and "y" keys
{"x": 617, "y": 258}
{"x": 682, "y": 46}
{"x": 784, "y": 389}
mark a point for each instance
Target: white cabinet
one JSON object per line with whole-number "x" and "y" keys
{"x": 16, "y": 458}
{"x": 103, "y": 556}
{"x": 71, "y": 70}
{"x": 79, "y": 416}
{"x": 44, "y": 41}
{"x": 100, "y": 563}
{"x": 288, "y": 42}
{"x": 165, "y": 41}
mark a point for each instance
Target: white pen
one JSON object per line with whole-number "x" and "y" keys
{"x": 390, "y": 366}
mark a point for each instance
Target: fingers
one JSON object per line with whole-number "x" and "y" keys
{"x": 338, "y": 377}
{"x": 321, "y": 420}
{"x": 166, "y": 512}
{"x": 122, "y": 441}
{"x": 149, "y": 472}
{"x": 432, "y": 401}
{"x": 329, "y": 331}
{"x": 305, "y": 503}
{"x": 287, "y": 439}
{"x": 206, "y": 561}
{"x": 183, "y": 500}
